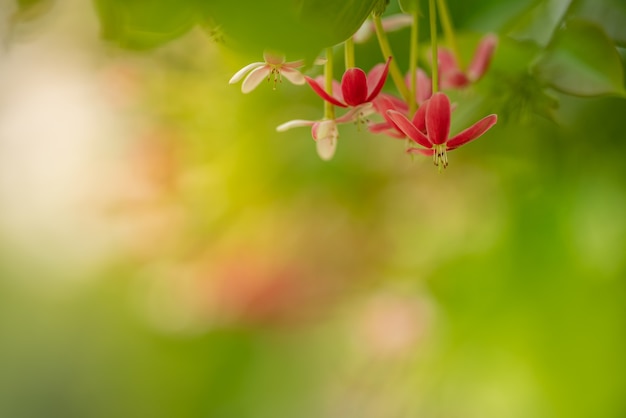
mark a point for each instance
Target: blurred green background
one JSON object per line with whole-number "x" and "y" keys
{"x": 164, "y": 252}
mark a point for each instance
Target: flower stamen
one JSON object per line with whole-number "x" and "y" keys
{"x": 440, "y": 156}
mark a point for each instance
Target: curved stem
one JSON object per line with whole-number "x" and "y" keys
{"x": 329, "y": 109}
{"x": 448, "y": 29}
{"x": 349, "y": 53}
{"x": 413, "y": 54}
{"x": 433, "y": 44}
{"x": 394, "y": 69}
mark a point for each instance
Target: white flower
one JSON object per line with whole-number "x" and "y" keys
{"x": 274, "y": 66}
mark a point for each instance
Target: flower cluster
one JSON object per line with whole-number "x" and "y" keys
{"x": 421, "y": 113}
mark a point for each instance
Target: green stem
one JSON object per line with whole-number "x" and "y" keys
{"x": 329, "y": 109}
{"x": 394, "y": 69}
{"x": 349, "y": 53}
{"x": 413, "y": 55}
{"x": 448, "y": 29}
{"x": 433, "y": 42}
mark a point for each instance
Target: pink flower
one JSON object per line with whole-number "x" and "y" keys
{"x": 430, "y": 128}
{"x": 325, "y": 132}
{"x": 356, "y": 87}
{"x": 385, "y": 102}
{"x": 274, "y": 66}
{"x": 451, "y": 74}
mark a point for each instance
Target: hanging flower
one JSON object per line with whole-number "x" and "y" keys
{"x": 356, "y": 87}
{"x": 385, "y": 102}
{"x": 274, "y": 67}
{"x": 451, "y": 74}
{"x": 430, "y": 128}
{"x": 325, "y": 132}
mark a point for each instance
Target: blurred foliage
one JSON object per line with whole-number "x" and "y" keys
{"x": 302, "y": 27}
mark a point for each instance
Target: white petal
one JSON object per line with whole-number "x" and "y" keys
{"x": 254, "y": 78}
{"x": 397, "y": 21}
{"x": 326, "y": 147}
{"x": 273, "y": 59}
{"x": 294, "y": 124}
{"x": 293, "y": 75}
{"x": 239, "y": 74}
{"x": 365, "y": 31}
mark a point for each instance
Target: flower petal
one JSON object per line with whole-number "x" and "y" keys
{"x": 293, "y": 64}
{"x": 454, "y": 80}
{"x": 254, "y": 78}
{"x": 364, "y": 32}
{"x": 473, "y": 132}
{"x": 424, "y": 88}
{"x": 239, "y": 74}
{"x": 397, "y": 21}
{"x": 447, "y": 61}
{"x": 482, "y": 57}
{"x": 317, "y": 88}
{"x": 292, "y": 75}
{"x": 419, "y": 119}
{"x": 294, "y": 124}
{"x": 382, "y": 104}
{"x": 438, "y": 118}
{"x": 354, "y": 86}
{"x": 409, "y": 129}
{"x": 273, "y": 59}
{"x": 325, "y": 134}
{"x": 326, "y": 148}
{"x": 421, "y": 151}
{"x": 376, "y": 81}
{"x": 387, "y": 129}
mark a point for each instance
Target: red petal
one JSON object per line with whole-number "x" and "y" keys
{"x": 482, "y": 57}
{"x": 317, "y": 88}
{"x": 472, "y": 132}
{"x": 420, "y": 151}
{"x": 376, "y": 80}
{"x": 454, "y": 80}
{"x": 409, "y": 129}
{"x": 438, "y": 118}
{"x": 354, "y": 86}
{"x": 419, "y": 119}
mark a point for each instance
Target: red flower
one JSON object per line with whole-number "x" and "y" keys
{"x": 453, "y": 77}
{"x": 385, "y": 102}
{"x": 430, "y": 128}
{"x": 356, "y": 87}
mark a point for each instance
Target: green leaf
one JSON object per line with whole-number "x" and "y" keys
{"x": 540, "y": 21}
{"x": 298, "y": 28}
{"x": 137, "y": 24}
{"x": 581, "y": 60}
{"x": 610, "y": 14}
{"x": 409, "y": 6}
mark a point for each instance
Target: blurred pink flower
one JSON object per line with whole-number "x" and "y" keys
{"x": 430, "y": 128}
{"x": 274, "y": 66}
{"x": 451, "y": 74}
{"x": 357, "y": 88}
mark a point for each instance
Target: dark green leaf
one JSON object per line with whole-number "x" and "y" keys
{"x": 610, "y": 14}
{"x": 298, "y": 28}
{"x": 409, "y": 6}
{"x": 581, "y": 60}
{"x": 138, "y": 24}
{"x": 540, "y": 21}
